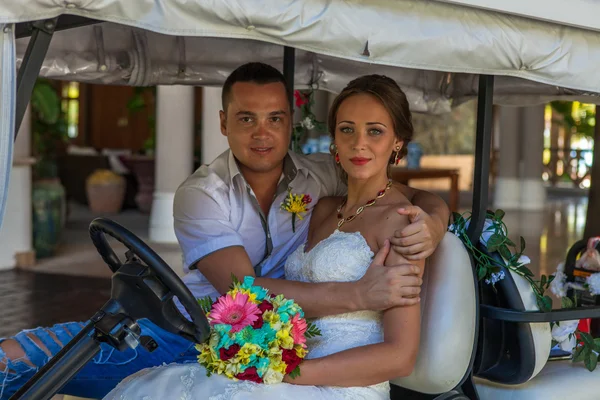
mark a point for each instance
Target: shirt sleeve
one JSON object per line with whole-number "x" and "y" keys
{"x": 202, "y": 224}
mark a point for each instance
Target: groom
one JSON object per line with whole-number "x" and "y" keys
{"x": 228, "y": 219}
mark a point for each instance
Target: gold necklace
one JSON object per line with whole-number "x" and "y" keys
{"x": 360, "y": 209}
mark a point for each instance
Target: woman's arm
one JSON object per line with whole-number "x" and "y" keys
{"x": 376, "y": 363}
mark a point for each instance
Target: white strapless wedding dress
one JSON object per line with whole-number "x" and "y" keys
{"x": 341, "y": 257}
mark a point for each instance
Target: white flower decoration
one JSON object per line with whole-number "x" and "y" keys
{"x": 593, "y": 282}
{"x": 523, "y": 260}
{"x": 564, "y": 334}
{"x": 559, "y": 285}
{"x": 307, "y": 123}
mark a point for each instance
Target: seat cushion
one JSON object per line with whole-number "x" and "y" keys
{"x": 558, "y": 380}
{"x": 448, "y": 322}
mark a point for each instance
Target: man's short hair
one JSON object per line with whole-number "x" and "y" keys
{"x": 255, "y": 72}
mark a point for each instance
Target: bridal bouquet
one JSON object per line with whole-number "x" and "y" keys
{"x": 255, "y": 335}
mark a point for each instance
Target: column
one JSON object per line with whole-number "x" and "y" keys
{"x": 174, "y": 155}
{"x": 16, "y": 232}
{"x": 533, "y": 192}
{"x": 213, "y": 142}
{"x": 507, "y": 186}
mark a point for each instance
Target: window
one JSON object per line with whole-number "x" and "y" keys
{"x": 70, "y": 106}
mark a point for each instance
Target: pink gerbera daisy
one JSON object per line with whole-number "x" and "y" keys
{"x": 238, "y": 312}
{"x": 299, "y": 327}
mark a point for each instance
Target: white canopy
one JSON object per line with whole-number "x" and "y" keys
{"x": 432, "y": 48}
{"x": 539, "y": 50}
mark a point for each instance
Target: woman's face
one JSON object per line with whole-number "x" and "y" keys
{"x": 364, "y": 136}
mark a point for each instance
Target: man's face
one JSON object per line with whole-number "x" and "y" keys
{"x": 257, "y": 124}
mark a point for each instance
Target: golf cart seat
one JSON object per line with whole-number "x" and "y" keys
{"x": 512, "y": 360}
{"x": 448, "y": 325}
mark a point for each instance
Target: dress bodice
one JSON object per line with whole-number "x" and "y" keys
{"x": 342, "y": 257}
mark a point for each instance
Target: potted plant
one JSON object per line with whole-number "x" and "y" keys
{"x": 105, "y": 191}
{"x": 49, "y": 137}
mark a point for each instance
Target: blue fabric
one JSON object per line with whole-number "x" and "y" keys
{"x": 104, "y": 372}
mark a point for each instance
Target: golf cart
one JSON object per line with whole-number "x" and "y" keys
{"x": 476, "y": 342}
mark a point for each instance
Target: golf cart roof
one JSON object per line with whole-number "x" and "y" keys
{"x": 434, "y": 49}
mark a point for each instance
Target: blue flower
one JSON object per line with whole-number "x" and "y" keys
{"x": 262, "y": 366}
{"x": 288, "y": 309}
{"x": 259, "y": 291}
{"x": 223, "y": 332}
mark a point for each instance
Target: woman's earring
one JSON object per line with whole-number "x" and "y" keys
{"x": 337, "y": 158}
{"x": 397, "y": 158}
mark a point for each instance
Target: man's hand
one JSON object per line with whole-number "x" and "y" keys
{"x": 418, "y": 240}
{"x": 383, "y": 287}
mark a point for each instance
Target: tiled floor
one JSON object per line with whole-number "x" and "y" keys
{"x": 29, "y": 299}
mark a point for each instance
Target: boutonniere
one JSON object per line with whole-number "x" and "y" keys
{"x": 295, "y": 204}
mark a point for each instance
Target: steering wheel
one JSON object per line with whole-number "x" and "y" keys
{"x": 147, "y": 291}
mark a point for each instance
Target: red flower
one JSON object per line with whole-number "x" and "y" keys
{"x": 291, "y": 359}
{"x": 306, "y": 199}
{"x": 258, "y": 323}
{"x": 300, "y": 98}
{"x": 265, "y": 306}
{"x": 250, "y": 374}
{"x": 226, "y": 354}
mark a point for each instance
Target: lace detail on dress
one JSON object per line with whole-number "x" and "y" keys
{"x": 342, "y": 257}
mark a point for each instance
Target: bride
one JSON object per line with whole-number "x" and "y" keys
{"x": 359, "y": 352}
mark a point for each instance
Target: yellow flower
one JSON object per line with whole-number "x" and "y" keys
{"x": 273, "y": 376}
{"x": 294, "y": 204}
{"x": 285, "y": 339}
{"x": 251, "y": 296}
{"x": 247, "y": 350}
{"x": 300, "y": 351}
{"x": 207, "y": 355}
{"x": 272, "y": 319}
{"x": 274, "y": 351}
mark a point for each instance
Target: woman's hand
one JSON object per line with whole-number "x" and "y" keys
{"x": 418, "y": 240}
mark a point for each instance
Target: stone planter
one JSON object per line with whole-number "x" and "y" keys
{"x": 106, "y": 192}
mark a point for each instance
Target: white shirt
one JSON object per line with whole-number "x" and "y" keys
{"x": 215, "y": 208}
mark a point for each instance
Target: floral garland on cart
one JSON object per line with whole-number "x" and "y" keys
{"x": 491, "y": 270}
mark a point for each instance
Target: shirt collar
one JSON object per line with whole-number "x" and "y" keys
{"x": 291, "y": 166}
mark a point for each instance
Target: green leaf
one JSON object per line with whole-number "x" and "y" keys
{"x": 481, "y": 272}
{"x": 234, "y": 281}
{"x": 522, "y": 244}
{"x": 46, "y": 103}
{"x": 295, "y": 373}
{"x": 544, "y": 303}
{"x": 566, "y": 302}
{"x": 505, "y": 252}
{"x": 588, "y": 339}
{"x": 510, "y": 242}
{"x": 597, "y": 343}
{"x": 494, "y": 242}
{"x": 312, "y": 331}
{"x": 550, "y": 279}
{"x": 591, "y": 361}
{"x": 500, "y": 214}
{"x": 205, "y": 303}
{"x": 543, "y": 281}
{"x": 579, "y": 354}
{"x": 524, "y": 270}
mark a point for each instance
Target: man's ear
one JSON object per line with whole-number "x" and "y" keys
{"x": 223, "y": 120}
